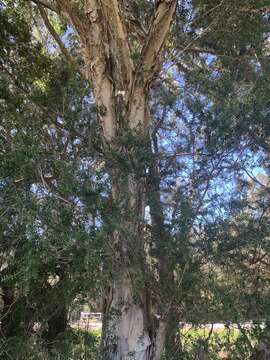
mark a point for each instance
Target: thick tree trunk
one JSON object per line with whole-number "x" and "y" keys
{"x": 123, "y": 331}
{"x": 130, "y": 330}
{"x": 120, "y": 88}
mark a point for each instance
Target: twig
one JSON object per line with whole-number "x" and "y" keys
{"x": 252, "y": 177}
{"x": 45, "y": 184}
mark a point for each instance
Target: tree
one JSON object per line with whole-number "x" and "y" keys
{"x": 120, "y": 90}
{"x": 136, "y": 56}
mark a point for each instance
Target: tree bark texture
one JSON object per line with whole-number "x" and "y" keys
{"x": 130, "y": 329}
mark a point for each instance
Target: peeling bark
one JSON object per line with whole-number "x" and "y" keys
{"x": 131, "y": 329}
{"x": 118, "y": 32}
{"x": 157, "y": 36}
{"x": 124, "y": 335}
{"x": 127, "y": 335}
{"x": 138, "y": 110}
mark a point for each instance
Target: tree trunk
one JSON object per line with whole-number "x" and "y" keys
{"x": 173, "y": 348}
{"x": 120, "y": 88}
{"x": 130, "y": 329}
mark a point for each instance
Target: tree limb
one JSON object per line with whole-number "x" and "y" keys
{"x": 138, "y": 114}
{"x": 46, "y": 4}
{"x": 46, "y": 186}
{"x": 98, "y": 59}
{"x": 57, "y": 39}
{"x": 76, "y": 17}
{"x": 92, "y": 29}
{"x": 156, "y": 38}
{"x": 118, "y": 31}
{"x": 255, "y": 179}
{"x": 196, "y": 49}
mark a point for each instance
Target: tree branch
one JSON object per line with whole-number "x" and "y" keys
{"x": 138, "y": 114}
{"x": 57, "y": 39}
{"x": 76, "y": 17}
{"x": 255, "y": 179}
{"x": 156, "y": 38}
{"x": 196, "y": 49}
{"x": 46, "y": 4}
{"x": 97, "y": 57}
{"x": 118, "y": 31}
{"x": 92, "y": 30}
{"x": 46, "y": 186}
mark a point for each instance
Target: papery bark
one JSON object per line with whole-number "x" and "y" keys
{"x": 130, "y": 330}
